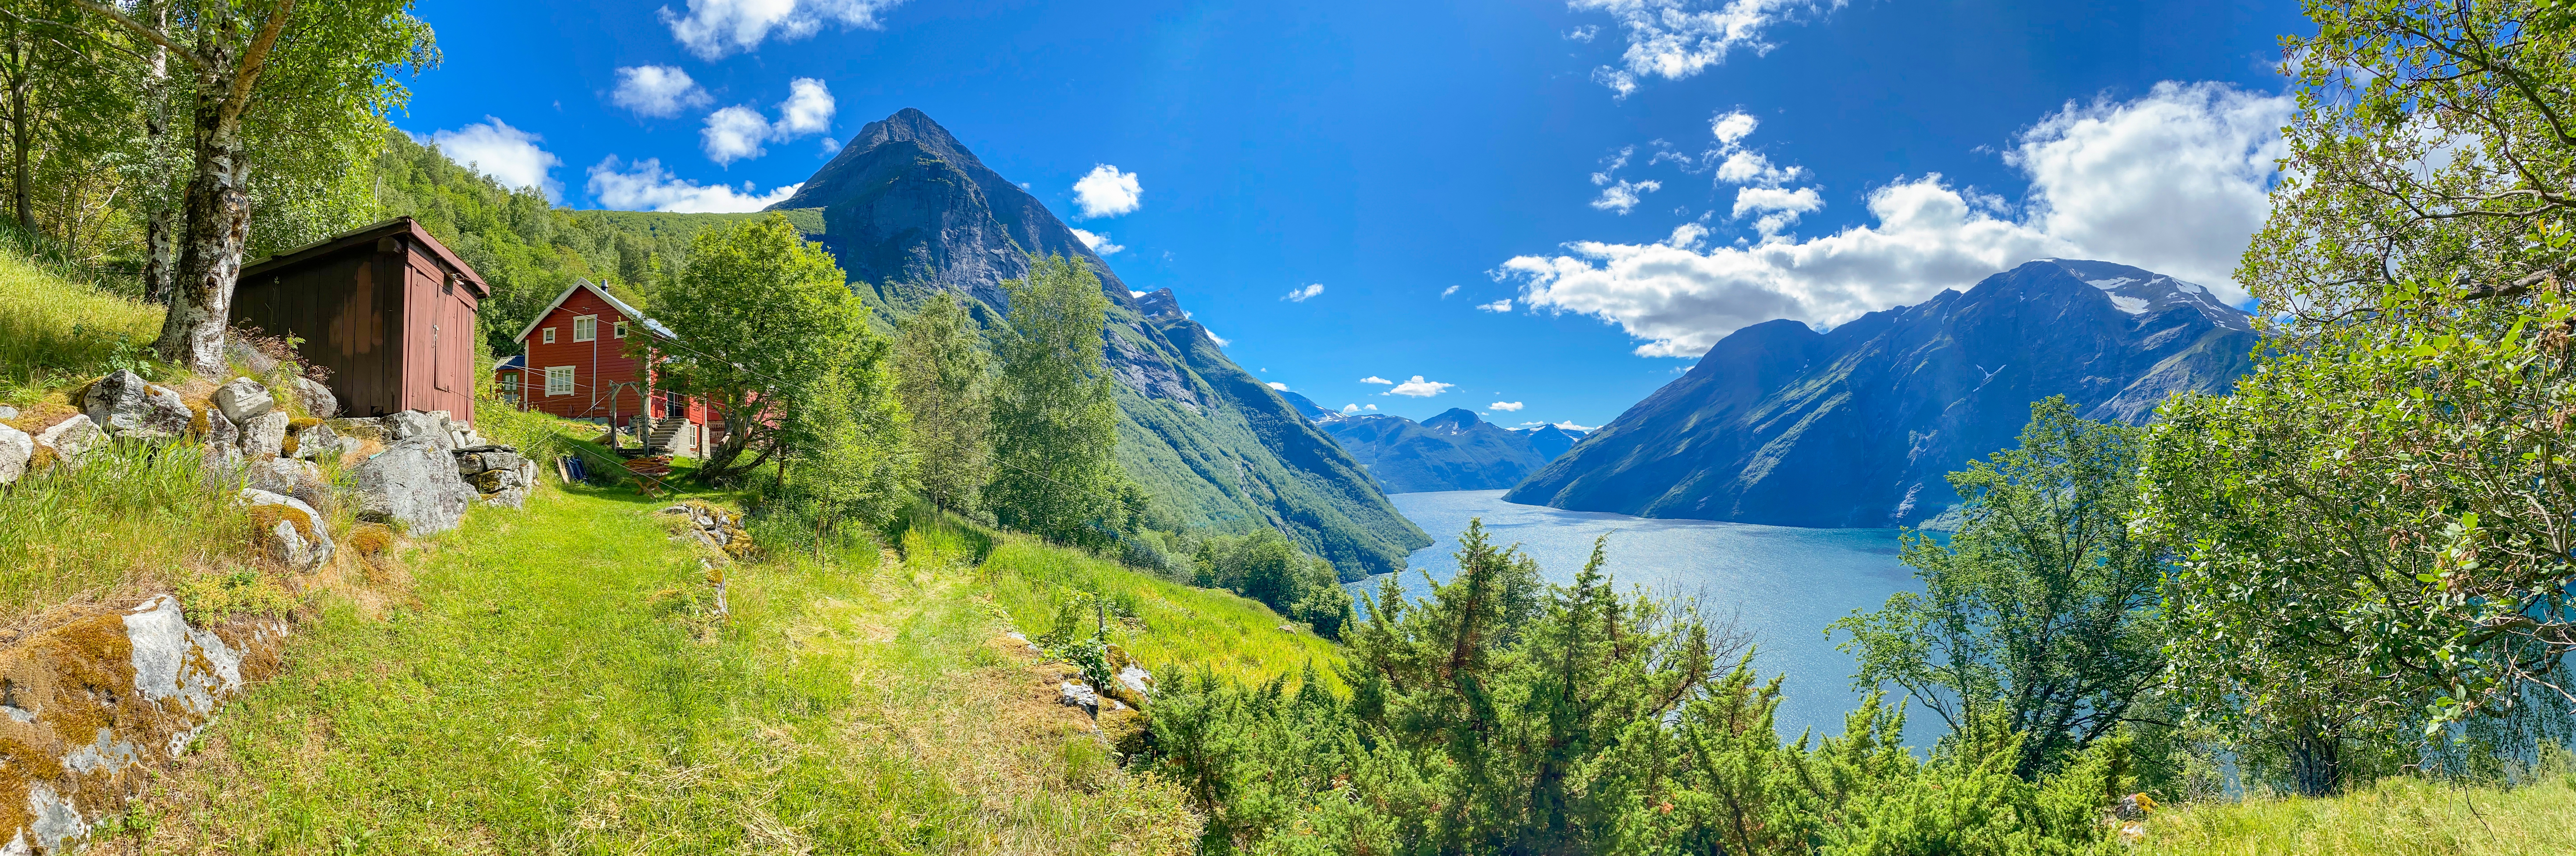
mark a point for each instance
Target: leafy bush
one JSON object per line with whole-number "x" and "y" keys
{"x": 1264, "y": 566}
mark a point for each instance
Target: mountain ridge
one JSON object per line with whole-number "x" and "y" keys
{"x": 1859, "y": 426}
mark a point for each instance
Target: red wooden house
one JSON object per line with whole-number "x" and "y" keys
{"x": 589, "y": 355}
{"x": 387, "y": 309}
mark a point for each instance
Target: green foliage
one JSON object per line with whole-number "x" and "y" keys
{"x": 765, "y": 328}
{"x": 856, "y": 468}
{"x": 1505, "y": 716}
{"x": 2373, "y": 524}
{"x": 128, "y": 519}
{"x": 1169, "y": 627}
{"x": 1055, "y": 427}
{"x": 2040, "y": 608}
{"x": 1264, "y": 566}
{"x": 946, "y": 386}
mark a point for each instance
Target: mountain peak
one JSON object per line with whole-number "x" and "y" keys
{"x": 1453, "y": 419}
{"x": 2136, "y": 292}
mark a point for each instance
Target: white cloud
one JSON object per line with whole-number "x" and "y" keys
{"x": 1503, "y": 305}
{"x": 807, "y": 110}
{"x": 1675, "y": 39}
{"x": 1278, "y": 386}
{"x": 1419, "y": 388}
{"x": 1375, "y": 379}
{"x": 1584, "y": 33}
{"x": 2173, "y": 182}
{"x": 509, "y": 155}
{"x": 1569, "y": 425}
{"x": 1130, "y": 293}
{"x": 1350, "y": 409}
{"x": 732, "y": 134}
{"x": 1750, "y": 167}
{"x": 1732, "y": 127}
{"x": 831, "y": 146}
{"x": 1368, "y": 407}
{"x": 1106, "y": 192}
{"x": 657, "y": 90}
{"x": 1623, "y": 196}
{"x": 1099, "y": 243}
{"x": 1221, "y": 341}
{"x": 1301, "y": 295}
{"x": 1445, "y": 292}
{"x": 1505, "y": 405}
{"x": 713, "y": 28}
{"x": 647, "y": 187}
{"x": 1779, "y": 208}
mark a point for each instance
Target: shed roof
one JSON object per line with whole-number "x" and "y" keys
{"x": 580, "y": 283}
{"x": 399, "y": 226}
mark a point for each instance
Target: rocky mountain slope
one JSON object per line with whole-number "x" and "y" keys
{"x": 1780, "y": 424}
{"x": 1550, "y": 441}
{"x": 909, "y": 212}
{"x": 1451, "y": 451}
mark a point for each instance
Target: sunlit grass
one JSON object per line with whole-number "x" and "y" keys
{"x": 2395, "y": 817}
{"x": 52, "y": 328}
{"x": 131, "y": 518}
{"x": 1181, "y": 628}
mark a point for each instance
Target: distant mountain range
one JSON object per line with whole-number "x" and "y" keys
{"x": 1858, "y": 427}
{"x": 1451, "y": 451}
{"x": 909, "y": 212}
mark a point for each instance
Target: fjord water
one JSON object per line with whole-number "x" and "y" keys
{"x": 1782, "y": 584}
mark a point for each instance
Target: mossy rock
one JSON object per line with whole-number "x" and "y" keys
{"x": 1125, "y": 731}
{"x": 371, "y": 539}
{"x": 264, "y": 518}
{"x": 302, "y": 422}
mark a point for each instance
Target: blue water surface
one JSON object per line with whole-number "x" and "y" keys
{"x": 1782, "y": 584}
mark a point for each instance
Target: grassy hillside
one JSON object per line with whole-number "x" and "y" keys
{"x": 2395, "y": 817}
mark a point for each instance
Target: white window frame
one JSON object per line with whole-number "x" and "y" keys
{"x": 550, "y": 335}
{"x": 559, "y": 380}
{"x": 618, "y": 330}
{"x": 585, "y": 328}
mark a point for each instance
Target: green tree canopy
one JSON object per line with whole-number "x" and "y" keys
{"x": 765, "y": 325}
{"x": 1055, "y": 426}
{"x": 947, "y": 387}
{"x": 2037, "y": 616}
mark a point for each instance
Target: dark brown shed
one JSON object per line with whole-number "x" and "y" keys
{"x": 386, "y": 308}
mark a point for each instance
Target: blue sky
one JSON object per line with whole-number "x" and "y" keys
{"x": 1636, "y": 177}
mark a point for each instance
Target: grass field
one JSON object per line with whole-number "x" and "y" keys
{"x": 1176, "y": 629}
{"x": 553, "y": 681}
{"x": 2395, "y": 817}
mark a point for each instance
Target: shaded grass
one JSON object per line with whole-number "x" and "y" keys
{"x": 2398, "y": 816}
{"x": 52, "y": 328}
{"x": 558, "y": 684}
{"x": 131, "y": 517}
{"x": 1177, "y": 629}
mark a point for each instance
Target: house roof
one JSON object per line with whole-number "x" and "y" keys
{"x": 399, "y": 226}
{"x": 579, "y": 283}
{"x": 513, "y": 361}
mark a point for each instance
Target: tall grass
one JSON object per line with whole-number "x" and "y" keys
{"x": 1173, "y": 628}
{"x": 557, "y": 684}
{"x": 2400, "y": 816}
{"x": 53, "y": 327}
{"x": 130, "y": 516}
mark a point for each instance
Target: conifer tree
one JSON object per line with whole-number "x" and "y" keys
{"x": 946, "y": 387}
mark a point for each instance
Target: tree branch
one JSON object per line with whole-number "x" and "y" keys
{"x": 137, "y": 26}
{"x": 254, "y": 58}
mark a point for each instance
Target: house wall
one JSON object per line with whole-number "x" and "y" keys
{"x": 597, "y": 365}
{"x": 348, "y": 308}
{"x": 438, "y": 368}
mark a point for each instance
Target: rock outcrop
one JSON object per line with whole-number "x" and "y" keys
{"x": 414, "y": 483}
{"x": 92, "y": 706}
{"x": 125, "y": 405}
{"x": 71, "y": 438}
{"x": 16, "y": 449}
{"x": 293, "y": 533}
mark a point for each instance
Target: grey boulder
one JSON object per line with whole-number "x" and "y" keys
{"x": 243, "y": 400}
{"x": 289, "y": 477}
{"x": 413, "y": 482}
{"x": 126, "y": 405}
{"x": 317, "y": 399}
{"x": 265, "y": 436}
{"x": 15, "y": 448}
{"x": 72, "y": 438}
{"x": 421, "y": 425}
{"x": 298, "y": 538}
{"x": 317, "y": 442}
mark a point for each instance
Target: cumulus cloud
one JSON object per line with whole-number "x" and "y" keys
{"x": 658, "y": 91}
{"x": 1570, "y": 426}
{"x": 1350, "y": 409}
{"x": 1674, "y": 39}
{"x": 1732, "y": 127}
{"x": 1131, "y": 293}
{"x": 1503, "y": 305}
{"x": 1106, "y": 192}
{"x": 1505, "y": 405}
{"x": 1375, "y": 379}
{"x": 1099, "y": 243}
{"x": 714, "y": 28}
{"x": 1278, "y": 386}
{"x": 646, "y": 186}
{"x": 1445, "y": 292}
{"x": 1778, "y": 208}
{"x": 1213, "y": 337}
{"x": 1418, "y": 388}
{"x": 1301, "y": 295}
{"x": 1623, "y": 196}
{"x": 509, "y": 155}
{"x": 2173, "y": 182}
{"x": 732, "y": 134}
{"x": 807, "y": 110}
